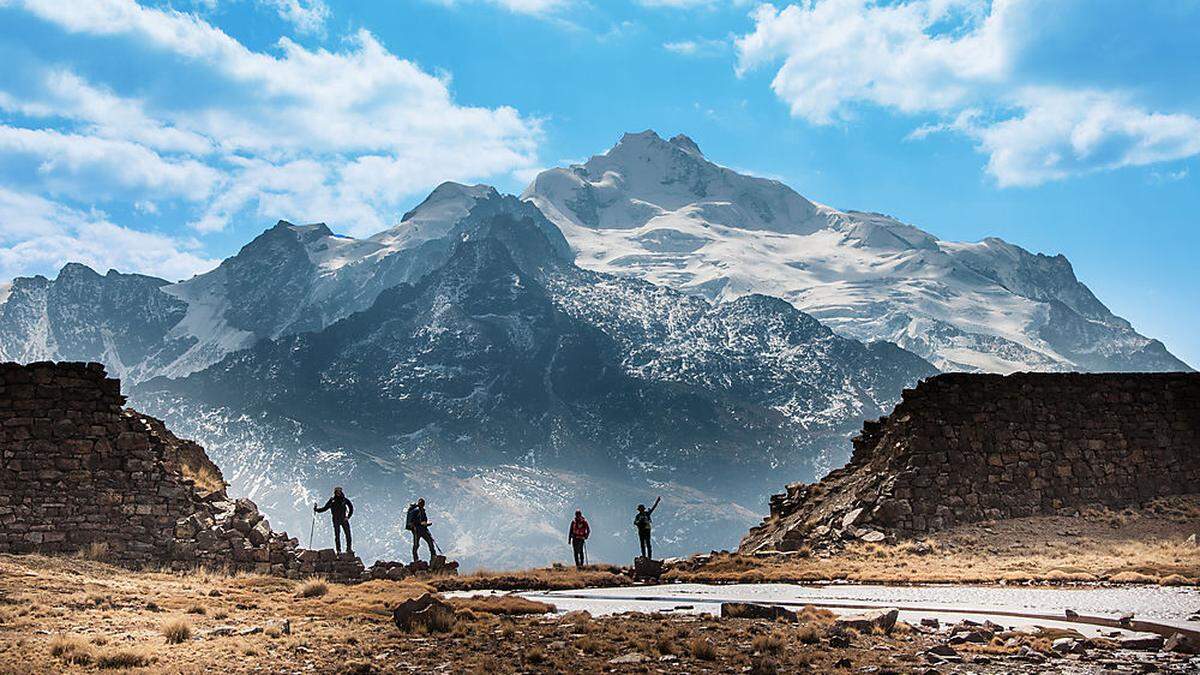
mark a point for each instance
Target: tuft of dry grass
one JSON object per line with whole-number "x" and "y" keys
{"x": 768, "y": 643}
{"x": 313, "y": 588}
{"x": 702, "y": 648}
{"x": 1175, "y": 580}
{"x": 124, "y": 658}
{"x": 72, "y": 649}
{"x": 808, "y": 634}
{"x": 97, "y": 550}
{"x": 176, "y": 630}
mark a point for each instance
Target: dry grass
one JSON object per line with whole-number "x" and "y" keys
{"x": 768, "y": 643}
{"x": 176, "y": 630}
{"x": 97, "y": 550}
{"x": 124, "y": 658}
{"x": 702, "y": 648}
{"x": 508, "y": 605}
{"x": 72, "y": 649}
{"x": 313, "y": 588}
{"x": 558, "y": 578}
{"x": 1130, "y": 546}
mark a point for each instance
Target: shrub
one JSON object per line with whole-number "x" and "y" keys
{"x": 123, "y": 658}
{"x": 72, "y": 649}
{"x": 767, "y": 643}
{"x": 809, "y": 634}
{"x": 313, "y": 588}
{"x": 535, "y": 655}
{"x": 177, "y": 631}
{"x": 97, "y": 550}
{"x": 197, "y": 609}
{"x": 702, "y": 649}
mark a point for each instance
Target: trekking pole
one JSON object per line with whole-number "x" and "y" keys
{"x": 585, "y": 560}
{"x": 312, "y": 529}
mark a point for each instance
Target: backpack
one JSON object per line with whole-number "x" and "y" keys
{"x": 642, "y": 520}
{"x": 410, "y": 519}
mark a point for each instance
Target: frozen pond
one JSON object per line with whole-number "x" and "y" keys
{"x": 1006, "y": 605}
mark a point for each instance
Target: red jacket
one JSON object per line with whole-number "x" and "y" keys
{"x": 579, "y": 529}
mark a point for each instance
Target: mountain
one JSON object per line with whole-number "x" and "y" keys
{"x": 289, "y": 279}
{"x": 510, "y": 360}
{"x": 659, "y": 210}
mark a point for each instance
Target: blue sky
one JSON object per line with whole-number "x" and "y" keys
{"x": 161, "y": 136}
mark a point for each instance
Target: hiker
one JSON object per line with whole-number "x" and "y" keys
{"x": 642, "y": 521}
{"x": 577, "y": 534}
{"x": 341, "y": 509}
{"x": 418, "y": 523}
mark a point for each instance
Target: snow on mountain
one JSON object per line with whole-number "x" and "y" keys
{"x": 289, "y": 279}
{"x": 660, "y": 211}
{"x": 510, "y": 380}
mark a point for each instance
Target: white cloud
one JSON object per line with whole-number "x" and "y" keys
{"x": 39, "y": 236}
{"x": 94, "y": 165}
{"x": 699, "y": 47}
{"x": 533, "y": 7}
{"x": 343, "y": 136}
{"x": 308, "y": 16}
{"x": 964, "y": 62}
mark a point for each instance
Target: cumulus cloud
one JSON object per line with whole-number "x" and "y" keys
{"x": 973, "y": 64}
{"x": 39, "y": 236}
{"x": 292, "y": 132}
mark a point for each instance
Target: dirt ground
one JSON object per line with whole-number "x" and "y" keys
{"x": 79, "y": 615}
{"x": 1142, "y": 545}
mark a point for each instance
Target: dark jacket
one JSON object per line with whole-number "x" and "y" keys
{"x": 416, "y": 520}
{"x": 341, "y": 509}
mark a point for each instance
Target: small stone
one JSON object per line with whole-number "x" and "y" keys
{"x": 632, "y": 657}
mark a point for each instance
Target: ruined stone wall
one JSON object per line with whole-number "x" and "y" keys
{"x": 963, "y": 448}
{"x": 77, "y": 469}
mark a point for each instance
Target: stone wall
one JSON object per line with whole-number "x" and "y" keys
{"x": 77, "y": 469}
{"x": 81, "y": 473}
{"x": 963, "y": 448}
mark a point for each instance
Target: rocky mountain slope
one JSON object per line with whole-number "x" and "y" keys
{"x": 659, "y": 210}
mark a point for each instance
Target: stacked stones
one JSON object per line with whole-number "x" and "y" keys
{"x": 388, "y": 569}
{"x": 962, "y": 448}
{"x": 235, "y": 535}
{"x": 328, "y": 563}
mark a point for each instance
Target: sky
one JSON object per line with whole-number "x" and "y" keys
{"x": 159, "y": 137}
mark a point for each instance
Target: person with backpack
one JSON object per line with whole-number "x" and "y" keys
{"x": 643, "y": 524}
{"x": 417, "y": 522}
{"x": 341, "y": 509}
{"x": 577, "y": 535}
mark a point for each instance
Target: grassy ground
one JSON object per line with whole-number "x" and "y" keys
{"x": 78, "y": 615}
{"x": 1148, "y": 545}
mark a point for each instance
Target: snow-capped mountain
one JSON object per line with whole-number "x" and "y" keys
{"x": 509, "y": 360}
{"x": 289, "y": 279}
{"x": 659, "y": 210}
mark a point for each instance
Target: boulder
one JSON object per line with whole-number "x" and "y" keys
{"x": 750, "y": 610}
{"x": 411, "y": 611}
{"x": 868, "y": 621}
{"x": 1141, "y": 641}
{"x": 647, "y": 568}
{"x": 883, "y": 619}
{"x": 1181, "y": 644}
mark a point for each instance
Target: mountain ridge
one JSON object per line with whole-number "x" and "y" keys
{"x": 661, "y": 211}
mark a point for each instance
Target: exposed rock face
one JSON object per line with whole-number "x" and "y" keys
{"x": 76, "y": 469}
{"x": 963, "y": 448}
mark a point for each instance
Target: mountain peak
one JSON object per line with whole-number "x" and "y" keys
{"x": 687, "y": 145}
